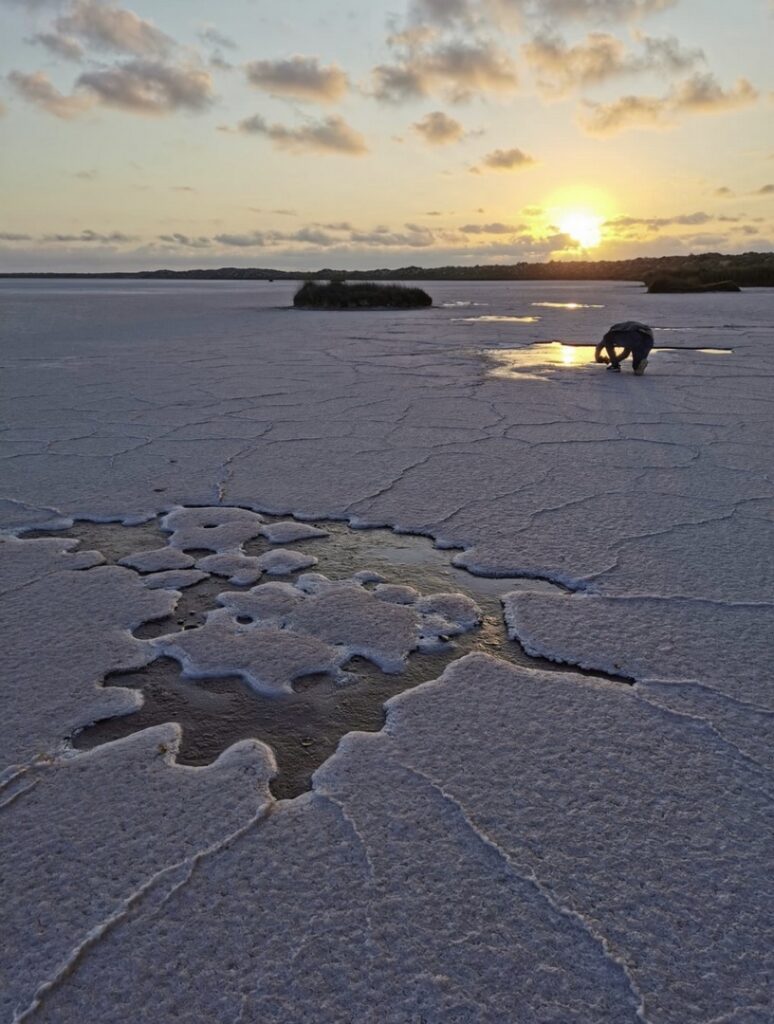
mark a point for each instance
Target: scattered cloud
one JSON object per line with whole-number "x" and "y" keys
{"x": 211, "y": 36}
{"x": 253, "y": 239}
{"x": 341, "y": 239}
{"x": 504, "y": 160}
{"x": 38, "y": 89}
{"x": 330, "y": 135}
{"x": 723, "y": 192}
{"x": 600, "y": 57}
{"x": 300, "y": 78}
{"x": 467, "y": 13}
{"x": 149, "y": 87}
{"x": 496, "y": 228}
{"x": 588, "y": 10}
{"x": 395, "y": 83}
{"x": 59, "y": 44}
{"x": 765, "y": 190}
{"x": 699, "y": 94}
{"x": 703, "y": 93}
{"x": 459, "y": 69}
{"x": 657, "y": 223}
{"x": 438, "y": 129}
{"x": 91, "y": 237}
{"x": 104, "y": 26}
{"x": 186, "y": 241}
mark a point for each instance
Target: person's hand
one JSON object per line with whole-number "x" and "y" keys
{"x": 602, "y": 359}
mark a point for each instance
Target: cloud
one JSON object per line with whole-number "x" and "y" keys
{"x": 438, "y": 129}
{"x": 699, "y": 94}
{"x": 10, "y": 236}
{"x": 60, "y": 45}
{"x": 458, "y": 68}
{"x": 150, "y": 87}
{"x": 497, "y": 228}
{"x": 104, "y": 26}
{"x": 330, "y": 135}
{"x": 213, "y": 37}
{"x": 656, "y": 223}
{"x": 445, "y": 14}
{"x": 255, "y": 239}
{"x": 765, "y": 190}
{"x": 186, "y": 241}
{"x": 599, "y": 57}
{"x": 302, "y": 78}
{"x": 703, "y": 93}
{"x": 91, "y": 237}
{"x": 441, "y": 12}
{"x": 505, "y": 160}
{"x": 384, "y": 239}
{"x": 585, "y": 10}
{"x": 723, "y": 192}
{"x": 393, "y": 83}
{"x": 37, "y": 88}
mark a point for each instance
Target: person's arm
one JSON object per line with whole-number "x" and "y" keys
{"x": 598, "y": 357}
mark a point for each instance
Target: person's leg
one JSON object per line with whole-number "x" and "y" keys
{"x": 640, "y": 352}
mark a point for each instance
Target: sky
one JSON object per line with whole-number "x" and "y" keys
{"x": 364, "y": 133}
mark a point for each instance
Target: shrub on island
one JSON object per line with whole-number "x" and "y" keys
{"x": 339, "y": 295}
{"x": 667, "y": 285}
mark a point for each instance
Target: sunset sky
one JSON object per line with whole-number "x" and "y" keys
{"x": 365, "y": 133}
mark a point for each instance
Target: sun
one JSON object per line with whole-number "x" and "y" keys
{"x": 583, "y": 226}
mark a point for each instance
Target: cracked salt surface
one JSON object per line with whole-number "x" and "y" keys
{"x": 514, "y": 844}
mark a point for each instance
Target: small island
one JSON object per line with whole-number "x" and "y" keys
{"x": 681, "y": 285}
{"x": 339, "y": 295}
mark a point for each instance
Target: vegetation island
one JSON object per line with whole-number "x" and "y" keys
{"x": 339, "y": 295}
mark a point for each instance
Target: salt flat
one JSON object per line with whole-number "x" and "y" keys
{"x": 516, "y": 845}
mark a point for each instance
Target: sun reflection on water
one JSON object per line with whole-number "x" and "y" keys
{"x": 495, "y": 319}
{"x": 568, "y": 305}
{"x": 538, "y": 361}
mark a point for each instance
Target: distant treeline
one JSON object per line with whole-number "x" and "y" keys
{"x": 750, "y": 270}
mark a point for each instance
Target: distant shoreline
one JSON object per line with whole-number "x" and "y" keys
{"x": 749, "y": 270}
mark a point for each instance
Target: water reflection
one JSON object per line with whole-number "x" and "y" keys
{"x": 491, "y": 319}
{"x": 568, "y": 305}
{"x": 536, "y": 360}
{"x": 541, "y": 360}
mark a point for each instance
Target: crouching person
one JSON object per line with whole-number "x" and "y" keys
{"x": 634, "y": 338}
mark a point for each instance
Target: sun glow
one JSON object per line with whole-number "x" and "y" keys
{"x": 584, "y": 227}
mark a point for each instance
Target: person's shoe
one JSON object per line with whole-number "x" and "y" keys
{"x": 639, "y": 368}
{"x": 614, "y": 368}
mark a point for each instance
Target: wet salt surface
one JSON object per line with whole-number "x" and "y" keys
{"x": 303, "y": 728}
{"x": 557, "y": 355}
